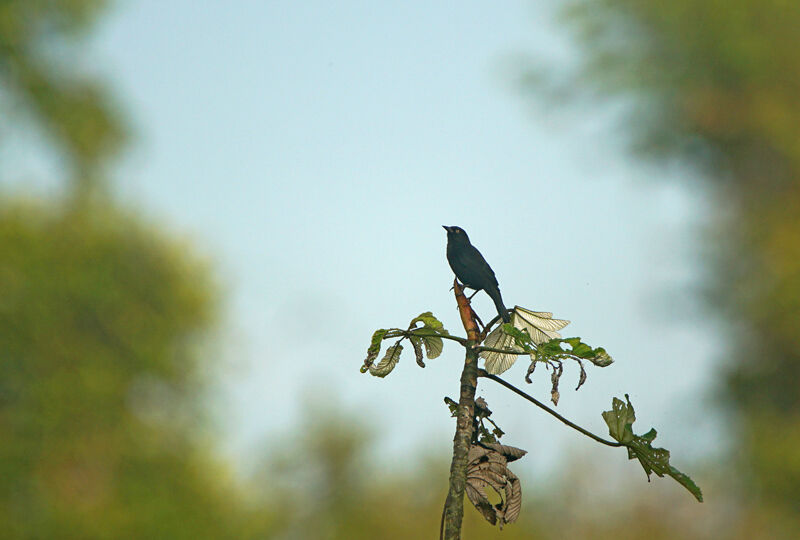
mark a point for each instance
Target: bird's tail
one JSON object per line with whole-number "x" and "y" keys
{"x": 494, "y": 294}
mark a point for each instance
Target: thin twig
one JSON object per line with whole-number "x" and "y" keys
{"x": 495, "y": 378}
{"x": 494, "y": 320}
{"x": 423, "y": 332}
{"x": 481, "y": 349}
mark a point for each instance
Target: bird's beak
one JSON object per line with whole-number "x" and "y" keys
{"x": 445, "y": 227}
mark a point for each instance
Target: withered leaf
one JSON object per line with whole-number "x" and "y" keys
{"x": 487, "y": 468}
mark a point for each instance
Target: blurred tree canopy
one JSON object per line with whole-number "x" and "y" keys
{"x": 44, "y": 85}
{"x": 103, "y": 318}
{"x": 716, "y": 83}
{"x": 99, "y": 381}
{"x": 102, "y": 323}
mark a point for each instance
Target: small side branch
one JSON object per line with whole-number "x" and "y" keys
{"x": 498, "y": 380}
{"x": 423, "y": 332}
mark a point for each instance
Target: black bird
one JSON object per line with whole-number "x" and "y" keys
{"x": 471, "y": 268}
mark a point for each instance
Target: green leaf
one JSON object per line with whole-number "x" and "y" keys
{"x": 601, "y": 358}
{"x": 550, "y": 348}
{"x": 388, "y": 362}
{"x": 650, "y": 435}
{"x": 374, "y": 348}
{"x": 433, "y": 344}
{"x": 522, "y": 338}
{"x": 578, "y": 350}
{"x": 687, "y": 482}
{"x": 428, "y": 321}
{"x": 620, "y": 421}
{"x": 582, "y": 350}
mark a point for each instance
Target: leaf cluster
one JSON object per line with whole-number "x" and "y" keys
{"x": 534, "y": 334}
{"x": 620, "y": 421}
{"x": 480, "y": 433}
{"x": 552, "y": 354}
{"x": 488, "y": 468}
{"x": 424, "y": 332}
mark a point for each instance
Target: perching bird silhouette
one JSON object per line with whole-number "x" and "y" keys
{"x": 471, "y": 268}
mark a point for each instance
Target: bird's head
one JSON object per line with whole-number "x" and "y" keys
{"x": 456, "y": 233}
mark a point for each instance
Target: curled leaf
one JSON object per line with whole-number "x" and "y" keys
{"x": 558, "y": 369}
{"x": 481, "y": 407}
{"x": 433, "y": 344}
{"x": 487, "y": 468}
{"x": 417, "y": 344}
{"x": 388, "y": 362}
{"x": 428, "y": 321}
{"x": 374, "y": 348}
{"x": 601, "y": 358}
{"x": 582, "y": 377}
{"x": 530, "y": 371}
{"x": 620, "y": 420}
{"x": 511, "y": 453}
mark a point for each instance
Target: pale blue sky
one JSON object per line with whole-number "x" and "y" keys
{"x": 313, "y": 150}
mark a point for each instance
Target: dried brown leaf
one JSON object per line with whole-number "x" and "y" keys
{"x": 514, "y": 500}
{"x": 482, "y": 408}
{"x": 558, "y": 369}
{"x": 481, "y": 502}
{"x": 488, "y": 469}
{"x": 511, "y": 453}
{"x": 582, "y": 378}
{"x": 531, "y": 369}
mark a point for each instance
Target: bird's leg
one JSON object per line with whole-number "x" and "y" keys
{"x": 473, "y": 294}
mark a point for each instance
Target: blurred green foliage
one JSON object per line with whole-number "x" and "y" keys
{"x": 103, "y": 318}
{"x": 100, "y": 323}
{"x": 718, "y": 74}
{"x": 326, "y": 481}
{"x": 44, "y": 85}
{"x": 716, "y": 83}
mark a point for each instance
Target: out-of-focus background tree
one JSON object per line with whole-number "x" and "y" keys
{"x": 107, "y": 322}
{"x": 102, "y": 319}
{"x": 715, "y": 85}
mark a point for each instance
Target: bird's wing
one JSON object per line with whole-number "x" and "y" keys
{"x": 481, "y": 266}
